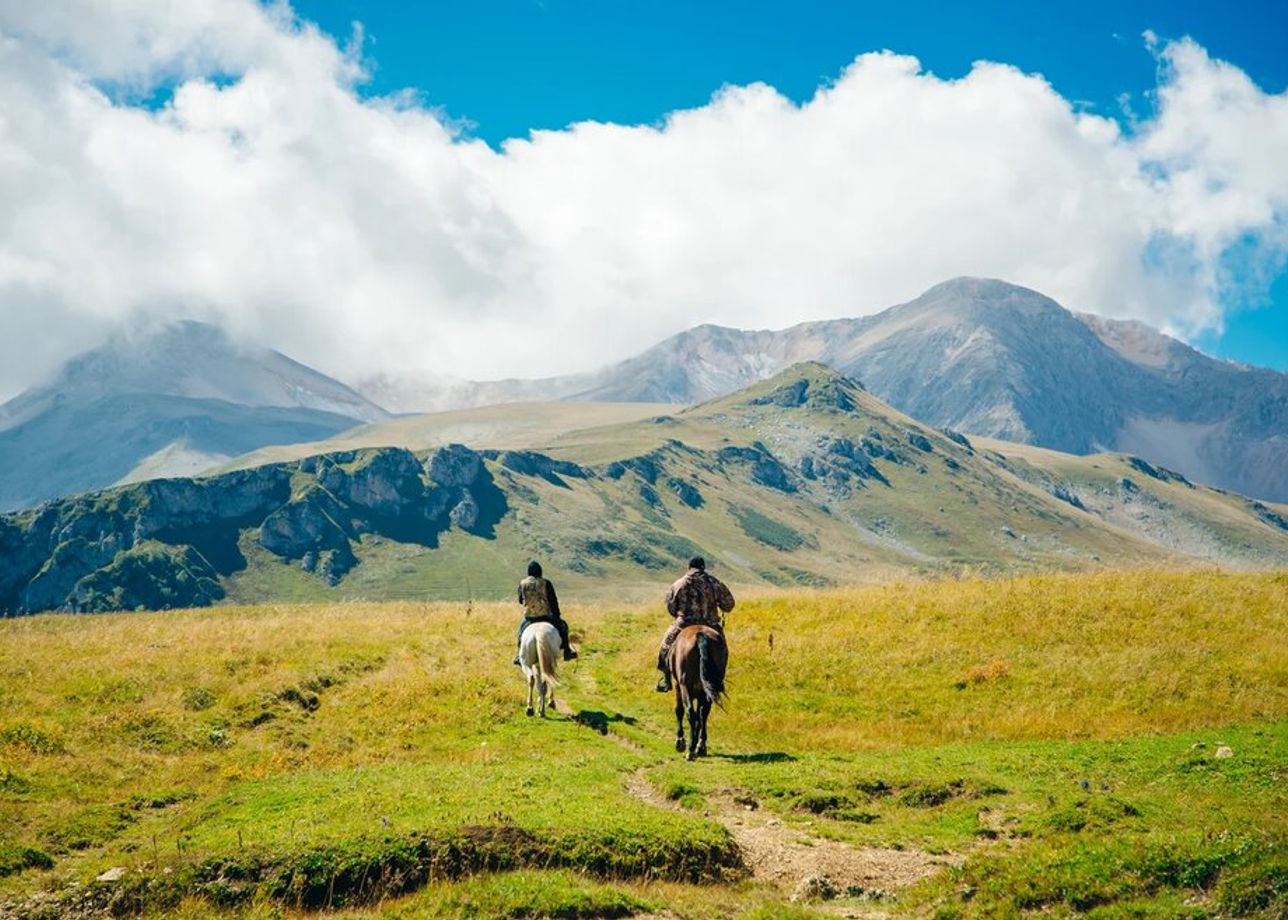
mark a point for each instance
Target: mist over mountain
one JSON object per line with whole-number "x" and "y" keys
{"x": 988, "y": 358}
{"x": 167, "y": 401}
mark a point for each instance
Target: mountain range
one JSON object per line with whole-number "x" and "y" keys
{"x": 980, "y": 356}
{"x": 171, "y": 400}
{"x": 804, "y": 479}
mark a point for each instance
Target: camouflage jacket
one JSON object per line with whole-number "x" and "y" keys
{"x": 698, "y": 598}
{"x": 538, "y": 598}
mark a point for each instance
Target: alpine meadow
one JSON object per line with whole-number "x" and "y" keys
{"x": 1070, "y": 745}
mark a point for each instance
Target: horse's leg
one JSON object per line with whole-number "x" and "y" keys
{"x": 532, "y": 680}
{"x": 679, "y": 717}
{"x": 541, "y": 684}
{"x": 704, "y": 712}
{"x": 695, "y": 727}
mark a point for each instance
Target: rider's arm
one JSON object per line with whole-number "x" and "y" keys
{"x": 553, "y": 601}
{"x": 724, "y": 597}
{"x": 670, "y": 601}
{"x": 520, "y": 592}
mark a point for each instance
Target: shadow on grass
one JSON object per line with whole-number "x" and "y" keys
{"x": 763, "y": 757}
{"x": 599, "y": 721}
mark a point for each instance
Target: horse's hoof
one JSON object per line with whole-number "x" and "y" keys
{"x": 679, "y": 745}
{"x": 529, "y": 710}
{"x": 702, "y": 752}
{"x": 691, "y": 756}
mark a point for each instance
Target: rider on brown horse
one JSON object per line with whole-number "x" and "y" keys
{"x": 540, "y": 605}
{"x": 696, "y": 599}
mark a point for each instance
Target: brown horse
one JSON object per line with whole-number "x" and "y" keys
{"x": 698, "y": 661}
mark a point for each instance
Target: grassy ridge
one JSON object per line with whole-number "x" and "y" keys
{"x": 327, "y": 754}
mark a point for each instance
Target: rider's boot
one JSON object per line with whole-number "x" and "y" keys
{"x": 569, "y": 653}
{"x": 663, "y": 665}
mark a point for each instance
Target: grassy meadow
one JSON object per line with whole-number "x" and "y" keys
{"x": 1102, "y": 745}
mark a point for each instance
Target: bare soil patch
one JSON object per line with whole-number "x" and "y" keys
{"x": 785, "y": 854}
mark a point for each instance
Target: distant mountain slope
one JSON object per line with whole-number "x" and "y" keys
{"x": 508, "y": 426}
{"x": 804, "y": 479}
{"x": 997, "y": 360}
{"x": 168, "y": 402}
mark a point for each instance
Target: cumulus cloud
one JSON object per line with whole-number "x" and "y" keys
{"x": 367, "y": 235}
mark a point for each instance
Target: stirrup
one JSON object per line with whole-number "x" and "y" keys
{"x": 516, "y": 661}
{"x": 664, "y": 684}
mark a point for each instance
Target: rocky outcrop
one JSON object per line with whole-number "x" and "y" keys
{"x": 167, "y": 543}
{"x": 764, "y": 467}
{"x": 149, "y": 577}
{"x": 312, "y": 521}
{"x": 811, "y": 394}
{"x": 685, "y": 491}
{"x": 839, "y": 463}
{"x": 530, "y": 463}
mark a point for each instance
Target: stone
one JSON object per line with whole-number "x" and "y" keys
{"x": 814, "y": 888}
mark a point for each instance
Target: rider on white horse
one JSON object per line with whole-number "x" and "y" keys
{"x": 541, "y": 605}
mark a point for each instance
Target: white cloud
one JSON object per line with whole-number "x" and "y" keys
{"x": 365, "y": 235}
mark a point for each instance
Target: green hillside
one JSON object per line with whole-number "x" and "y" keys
{"x": 1100, "y": 746}
{"x": 804, "y": 480}
{"x": 509, "y": 426}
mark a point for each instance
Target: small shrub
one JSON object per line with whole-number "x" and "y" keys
{"x": 25, "y": 735}
{"x": 926, "y": 796}
{"x": 1095, "y": 813}
{"x": 152, "y": 732}
{"x": 195, "y": 699}
{"x": 14, "y": 784}
{"x": 218, "y": 737}
{"x": 873, "y": 788}
{"x": 685, "y": 795}
{"x": 15, "y": 858}
{"x": 305, "y": 699}
{"x": 676, "y": 791}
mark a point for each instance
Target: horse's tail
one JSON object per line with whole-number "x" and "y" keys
{"x": 710, "y": 672}
{"x": 546, "y": 663}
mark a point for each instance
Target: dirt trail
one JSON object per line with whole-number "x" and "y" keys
{"x": 786, "y": 855}
{"x": 789, "y": 855}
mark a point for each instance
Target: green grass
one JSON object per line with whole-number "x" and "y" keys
{"x": 375, "y": 757}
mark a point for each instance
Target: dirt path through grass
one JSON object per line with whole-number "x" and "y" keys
{"x": 779, "y": 853}
{"x": 785, "y": 856}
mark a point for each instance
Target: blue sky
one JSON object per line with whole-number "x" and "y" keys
{"x": 415, "y": 204}
{"x": 506, "y": 67}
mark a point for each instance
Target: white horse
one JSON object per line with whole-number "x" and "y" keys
{"x": 538, "y": 652}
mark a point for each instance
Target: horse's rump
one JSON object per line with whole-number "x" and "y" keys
{"x": 538, "y": 647}
{"x": 698, "y": 662}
